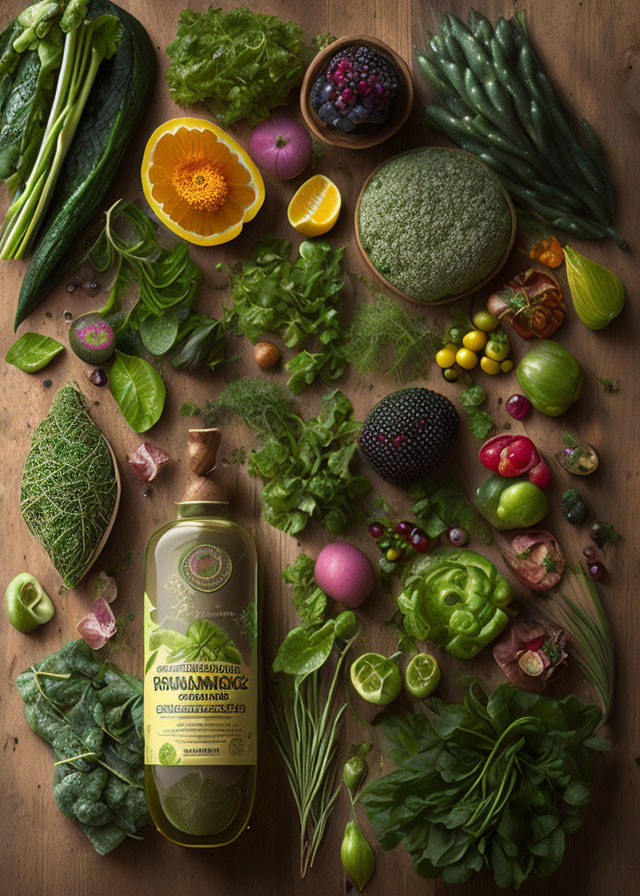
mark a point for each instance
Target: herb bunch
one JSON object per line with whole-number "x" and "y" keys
{"x": 305, "y": 465}
{"x": 497, "y": 781}
{"x": 297, "y": 299}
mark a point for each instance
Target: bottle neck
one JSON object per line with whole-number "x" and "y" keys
{"x": 188, "y": 510}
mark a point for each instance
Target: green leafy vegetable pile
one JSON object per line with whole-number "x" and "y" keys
{"x": 92, "y": 716}
{"x": 204, "y": 641}
{"x": 161, "y": 318}
{"x": 241, "y": 63}
{"x": 69, "y": 487}
{"x": 297, "y": 299}
{"x": 305, "y": 465}
{"x": 496, "y": 781}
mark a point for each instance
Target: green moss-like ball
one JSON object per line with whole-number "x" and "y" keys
{"x": 434, "y": 222}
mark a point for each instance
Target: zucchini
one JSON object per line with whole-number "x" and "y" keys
{"x": 115, "y": 105}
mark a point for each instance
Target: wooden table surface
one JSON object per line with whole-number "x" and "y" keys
{"x": 592, "y": 50}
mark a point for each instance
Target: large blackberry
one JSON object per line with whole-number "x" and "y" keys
{"x": 408, "y": 433}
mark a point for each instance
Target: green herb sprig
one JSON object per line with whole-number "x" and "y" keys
{"x": 473, "y": 397}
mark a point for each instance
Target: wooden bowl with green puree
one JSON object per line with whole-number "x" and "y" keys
{"x": 434, "y": 224}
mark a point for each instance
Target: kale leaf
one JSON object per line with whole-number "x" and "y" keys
{"x": 92, "y": 716}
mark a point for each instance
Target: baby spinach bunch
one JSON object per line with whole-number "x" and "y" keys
{"x": 496, "y": 781}
{"x": 92, "y": 716}
{"x": 295, "y": 298}
{"x": 305, "y": 465}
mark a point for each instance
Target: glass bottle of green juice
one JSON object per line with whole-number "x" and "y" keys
{"x": 201, "y": 664}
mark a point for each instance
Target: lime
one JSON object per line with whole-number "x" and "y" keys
{"x": 200, "y": 806}
{"x": 376, "y": 678}
{"x": 422, "y": 676}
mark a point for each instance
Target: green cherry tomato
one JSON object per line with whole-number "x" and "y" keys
{"x": 376, "y": 678}
{"x": 455, "y": 335}
{"x": 28, "y": 604}
{"x": 485, "y": 320}
{"x": 422, "y": 676}
{"x": 497, "y": 350}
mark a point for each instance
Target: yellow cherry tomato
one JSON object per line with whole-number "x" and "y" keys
{"x": 452, "y": 347}
{"x": 489, "y": 365}
{"x": 446, "y": 357}
{"x": 506, "y": 366}
{"x": 393, "y": 554}
{"x": 466, "y": 358}
{"x": 475, "y": 340}
{"x": 497, "y": 350}
{"x": 485, "y": 320}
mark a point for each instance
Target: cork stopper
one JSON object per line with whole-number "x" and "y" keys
{"x": 202, "y": 450}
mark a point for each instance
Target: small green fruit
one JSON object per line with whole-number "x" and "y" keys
{"x": 92, "y": 338}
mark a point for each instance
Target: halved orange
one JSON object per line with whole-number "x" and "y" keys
{"x": 199, "y": 181}
{"x": 315, "y": 207}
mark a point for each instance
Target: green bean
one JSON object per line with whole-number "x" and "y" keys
{"x": 505, "y": 38}
{"x": 594, "y": 151}
{"x": 477, "y": 58}
{"x": 453, "y": 103}
{"x": 481, "y": 27}
{"x": 432, "y": 75}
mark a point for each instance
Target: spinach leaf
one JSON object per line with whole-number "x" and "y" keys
{"x": 305, "y": 650}
{"x": 31, "y": 352}
{"x": 158, "y": 334}
{"x": 91, "y": 715}
{"x": 138, "y": 391}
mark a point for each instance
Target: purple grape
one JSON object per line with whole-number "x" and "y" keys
{"x": 376, "y": 530}
{"x": 518, "y": 406}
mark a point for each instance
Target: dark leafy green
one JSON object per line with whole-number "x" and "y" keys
{"x": 31, "y": 352}
{"x": 496, "y": 781}
{"x": 305, "y": 464}
{"x": 241, "y": 63}
{"x": 92, "y": 716}
{"x": 297, "y": 299}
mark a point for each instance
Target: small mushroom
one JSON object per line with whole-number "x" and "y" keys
{"x": 266, "y": 354}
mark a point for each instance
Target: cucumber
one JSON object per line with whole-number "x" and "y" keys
{"x": 115, "y": 105}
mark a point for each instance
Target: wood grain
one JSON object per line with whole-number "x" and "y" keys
{"x": 592, "y": 49}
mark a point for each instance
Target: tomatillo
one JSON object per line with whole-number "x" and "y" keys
{"x": 28, "y": 604}
{"x": 376, "y": 678}
{"x": 422, "y": 676}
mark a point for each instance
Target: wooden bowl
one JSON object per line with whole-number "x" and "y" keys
{"x": 398, "y": 113}
{"x": 403, "y": 295}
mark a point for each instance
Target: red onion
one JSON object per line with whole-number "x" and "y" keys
{"x": 281, "y": 147}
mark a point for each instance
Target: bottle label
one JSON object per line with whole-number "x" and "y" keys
{"x": 205, "y": 567}
{"x": 200, "y": 685}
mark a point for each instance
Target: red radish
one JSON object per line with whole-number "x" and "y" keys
{"x": 344, "y": 573}
{"x": 490, "y": 452}
{"x": 281, "y": 147}
{"x": 518, "y": 457}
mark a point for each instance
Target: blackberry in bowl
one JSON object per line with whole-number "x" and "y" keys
{"x": 356, "y": 93}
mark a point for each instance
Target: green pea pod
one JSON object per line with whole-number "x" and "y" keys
{"x": 28, "y": 604}
{"x": 356, "y": 855}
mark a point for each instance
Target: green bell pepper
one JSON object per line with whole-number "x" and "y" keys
{"x": 511, "y": 503}
{"x": 455, "y": 598}
{"x": 28, "y": 604}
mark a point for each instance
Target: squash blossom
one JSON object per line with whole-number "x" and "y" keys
{"x": 455, "y": 598}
